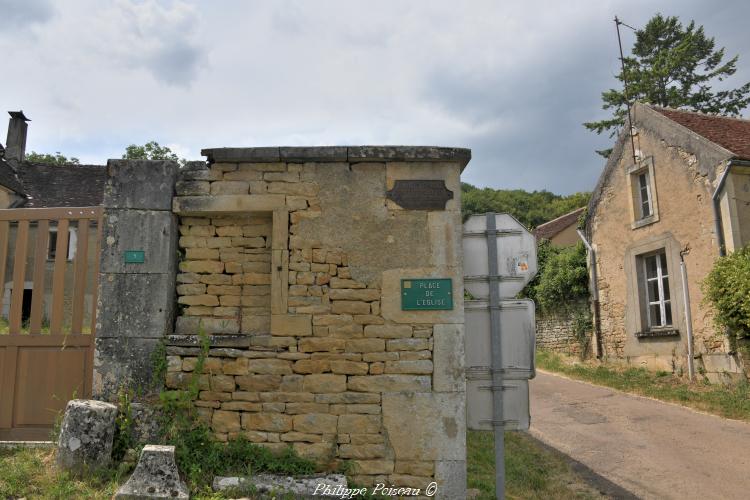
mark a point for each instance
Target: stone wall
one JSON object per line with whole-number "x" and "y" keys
{"x": 556, "y": 332}
{"x": 292, "y": 265}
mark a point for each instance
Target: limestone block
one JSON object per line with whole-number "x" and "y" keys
{"x": 359, "y": 424}
{"x": 155, "y": 476}
{"x": 123, "y": 360}
{"x": 325, "y": 344}
{"x": 255, "y": 324}
{"x": 448, "y": 358}
{"x": 407, "y": 345}
{"x": 389, "y": 383}
{"x": 367, "y": 294}
{"x": 414, "y": 468}
{"x": 128, "y": 312}
{"x": 258, "y": 383}
{"x": 346, "y": 283}
{"x": 299, "y": 408}
{"x": 308, "y": 366}
{"x": 153, "y": 232}
{"x": 365, "y": 345}
{"x": 435, "y": 428}
{"x": 315, "y": 423}
{"x": 225, "y": 421}
{"x": 86, "y": 435}
{"x": 349, "y": 367}
{"x": 227, "y": 204}
{"x": 287, "y": 487}
{"x": 140, "y": 184}
{"x": 271, "y": 422}
{"x": 291, "y": 324}
{"x": 230, "y": 187}
{"x": 199, "y": 300}
{"x": 371, "y": 467}
{"x": 349, "y": 307}
{"x": 388, "y": 331}
{"x": 191, "y": 325}
{"x": 270, "y": 366}
{"x": 418, "y": 366}
{"x": 362, "y": 451}
{"x": 348, "y": 398}
{"x": 324, "y": 383}
{"x": 301, "y": 437}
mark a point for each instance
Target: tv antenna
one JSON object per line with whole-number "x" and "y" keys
{"x": 625, "y": 83}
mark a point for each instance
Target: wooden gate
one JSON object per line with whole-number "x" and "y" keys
{"x": 49, "y": 259}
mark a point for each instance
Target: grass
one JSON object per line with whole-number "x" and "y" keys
{"x": 532, "y": 472}
{"x": 731, "y": 401}
{"x": 66, "y": 329}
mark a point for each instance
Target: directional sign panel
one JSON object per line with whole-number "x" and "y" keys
{"x": 516, "y": 256}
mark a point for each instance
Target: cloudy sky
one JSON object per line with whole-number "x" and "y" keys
{"x": 512, "y": 80}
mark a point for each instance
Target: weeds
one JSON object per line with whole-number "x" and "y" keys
{"x": 732, "y": 401}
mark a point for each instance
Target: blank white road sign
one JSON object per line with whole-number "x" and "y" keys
{"x": 516, "y": 254}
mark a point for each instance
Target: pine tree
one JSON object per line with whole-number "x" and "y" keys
{"x": 676, "y": 67}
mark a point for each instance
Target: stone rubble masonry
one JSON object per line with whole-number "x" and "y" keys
{"x": 556, "y": 331}
{"x": 287, "y": 258}
{"x": 135, "y": 306}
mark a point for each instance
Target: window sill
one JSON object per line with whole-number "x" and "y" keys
{"x": 645, "y": 221}
{"x": 658, "y": 332}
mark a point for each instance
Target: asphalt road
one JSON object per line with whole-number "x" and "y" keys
{"x": 652, "y": 449}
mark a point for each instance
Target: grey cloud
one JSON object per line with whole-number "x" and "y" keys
{"x": 19, "y": 14}
{"x": 177, "y": 63}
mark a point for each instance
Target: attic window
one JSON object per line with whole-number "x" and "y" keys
{"x": 645, "y": 209}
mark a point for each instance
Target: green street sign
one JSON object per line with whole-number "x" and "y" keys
{"x": 135, "y": 256}
{"x": 431, "y": 294}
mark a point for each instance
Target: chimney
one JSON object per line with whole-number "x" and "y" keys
{"x": 15, "y": 146}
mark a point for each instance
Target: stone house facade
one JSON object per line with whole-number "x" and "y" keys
{"x": 561, "y": 232}
{"x": 29, "y": 185}
{"x": 677, "y": 193}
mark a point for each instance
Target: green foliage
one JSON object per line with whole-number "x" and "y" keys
{"x": 562, "y": 279}
{"x": 531, "y": 209}
{"x": 123, "y": 439}
{"x": 51, "y": 159}
{"x": 674, "y": 66}
{"x": 727, "y": 289}
{"x": 151, "y": 151}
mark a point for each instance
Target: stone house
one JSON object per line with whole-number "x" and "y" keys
{"x": 677, "y": 193}
{"x": 561, "y": 232}
{"x": 27, "y": 185}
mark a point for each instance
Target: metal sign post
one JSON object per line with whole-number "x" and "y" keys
{"x": 497, "y": 369}
{"x": 499, "y": 260}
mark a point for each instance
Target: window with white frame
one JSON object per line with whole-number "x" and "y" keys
{"x": 644, "y": 195}
{"x": 656, "y": 279}
{"x": 52, "y": 243}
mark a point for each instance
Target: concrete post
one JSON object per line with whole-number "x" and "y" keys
{"x": 138, "y": 262}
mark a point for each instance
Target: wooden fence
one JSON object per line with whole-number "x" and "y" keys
{"x": 43, "y": 363}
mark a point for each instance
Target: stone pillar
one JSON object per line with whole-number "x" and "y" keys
{"x": 136, "y": 303}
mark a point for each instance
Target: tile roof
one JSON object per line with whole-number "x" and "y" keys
{"x": 62, "y": 185}
{"x": 549, "y": 229}
{"x": 732, "y": 134}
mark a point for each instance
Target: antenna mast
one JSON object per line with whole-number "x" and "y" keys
{"x": 625, "y": 82}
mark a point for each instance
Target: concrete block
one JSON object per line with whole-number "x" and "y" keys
{"x": 123, "y": 361}
{"x": 426, "y": 426}
{"x": 155, "y": 476}
{"x": 135, "y": 305}
{"x": 449, "y": 359}
{"x": 450, "y": 475}
{"x": 86, "y": 435}
{"x": 153, "y": 232}
{"x": 140, "y": 184}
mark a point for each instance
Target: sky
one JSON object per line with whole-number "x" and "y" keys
{"x": 512, "y": 80}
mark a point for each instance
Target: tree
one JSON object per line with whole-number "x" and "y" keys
{"x": 48, "y": 159}
{"x": 530, "y": 208}
{"x": 727, "y": 289}
{"x": 151, "y": 151}
{"x": 676, "y": 67}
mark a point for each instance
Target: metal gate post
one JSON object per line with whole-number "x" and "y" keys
{"x": 497, "y": 368}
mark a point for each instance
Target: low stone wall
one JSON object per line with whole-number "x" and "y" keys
{"x": 556, "y": 331}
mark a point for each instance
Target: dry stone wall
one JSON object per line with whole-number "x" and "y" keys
{"x": 293, "y": 268}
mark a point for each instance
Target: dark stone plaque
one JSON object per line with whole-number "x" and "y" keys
{"x": 420, "y": 194}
